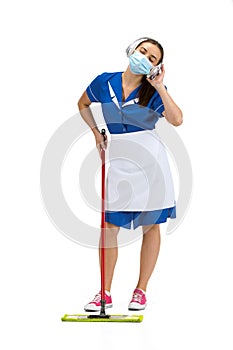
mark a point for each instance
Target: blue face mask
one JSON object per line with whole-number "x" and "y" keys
{"x": 139, "y": 63}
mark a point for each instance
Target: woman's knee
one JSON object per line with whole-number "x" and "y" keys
{"x": 111, "y": 233}
{"x": 111, "y": 228}
{"x": 154, "y": 228}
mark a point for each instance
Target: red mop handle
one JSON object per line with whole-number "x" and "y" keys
{"x": 102, "y": 241}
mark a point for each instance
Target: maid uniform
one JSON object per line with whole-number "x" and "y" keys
{"x": 139, "y": 184}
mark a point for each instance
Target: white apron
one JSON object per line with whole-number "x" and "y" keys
{"x": 139, "y": 176}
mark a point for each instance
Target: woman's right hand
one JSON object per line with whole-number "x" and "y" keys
{"x": 101, "y": 141}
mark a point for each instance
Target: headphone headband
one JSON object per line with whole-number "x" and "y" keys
{"x": 130, "y": 49}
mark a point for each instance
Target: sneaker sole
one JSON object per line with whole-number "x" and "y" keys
{"x": 137, "y": 308}
{"x": 97, "y": 308}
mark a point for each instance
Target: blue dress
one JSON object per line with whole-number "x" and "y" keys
{"x": 124, "y": 118}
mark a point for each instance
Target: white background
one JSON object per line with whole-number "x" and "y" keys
{"x": 50, "y": 51}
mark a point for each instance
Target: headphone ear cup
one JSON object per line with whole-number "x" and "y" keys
{"x": 154, "y": 71}
{"x": 130, "y": 49}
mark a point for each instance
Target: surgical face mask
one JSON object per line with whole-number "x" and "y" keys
{"x": 139, "y": 63}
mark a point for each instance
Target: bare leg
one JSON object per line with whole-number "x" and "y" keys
{"x": 149, "y": 254}
{"x": 111, "y": 253}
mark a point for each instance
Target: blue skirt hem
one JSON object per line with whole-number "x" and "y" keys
{"x": 126, "y": 219}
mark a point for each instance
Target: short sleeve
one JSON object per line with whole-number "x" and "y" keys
{"x": 94, "y": 89}
{"x": 160, "y": 109}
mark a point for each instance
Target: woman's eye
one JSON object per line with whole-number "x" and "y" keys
{"x": 143, "y": 51}
{"x": 153, "y": 59}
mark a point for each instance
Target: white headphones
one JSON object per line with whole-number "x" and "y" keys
{"x": 130, "y": 49}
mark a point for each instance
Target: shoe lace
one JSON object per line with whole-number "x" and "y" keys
{"x": 137, "y": 297}
{"x": 97, "y": 298}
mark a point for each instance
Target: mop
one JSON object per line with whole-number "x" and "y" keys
{"x": 102, "y": 316}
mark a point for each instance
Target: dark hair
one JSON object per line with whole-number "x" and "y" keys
{"x": 146, "y": 91}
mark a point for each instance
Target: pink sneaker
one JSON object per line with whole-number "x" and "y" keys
{"x": 138, "y": 301}
{"x": 95, "y": 304}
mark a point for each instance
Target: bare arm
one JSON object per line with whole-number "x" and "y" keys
{"x": 86, "y": 113}
{"x": 172, "y": 112}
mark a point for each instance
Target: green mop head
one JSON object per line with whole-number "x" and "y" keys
{"x": 99, "y": 318}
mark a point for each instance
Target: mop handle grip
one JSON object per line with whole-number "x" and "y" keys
{"x": 103, "y": 132}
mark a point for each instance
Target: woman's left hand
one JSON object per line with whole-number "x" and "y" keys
{"x": 158, "y": 81}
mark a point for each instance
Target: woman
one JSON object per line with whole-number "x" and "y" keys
{"x": 132, "y": 103}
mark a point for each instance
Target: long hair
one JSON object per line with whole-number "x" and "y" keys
{"x": 147, "y": 90}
